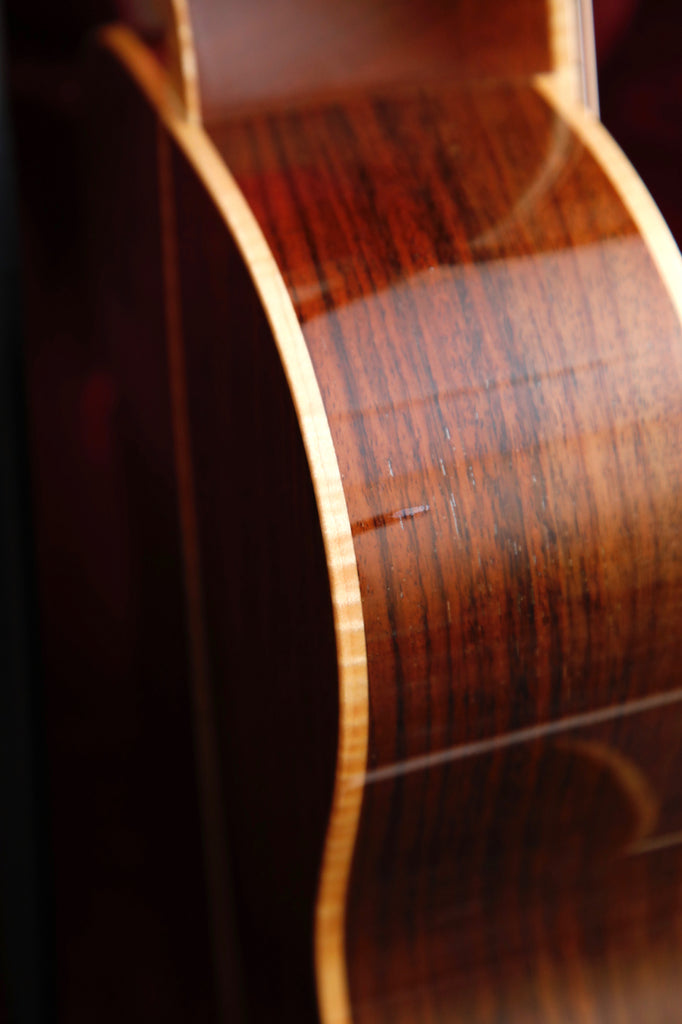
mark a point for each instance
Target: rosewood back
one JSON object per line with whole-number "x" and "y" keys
{"x": 466, "y": 359}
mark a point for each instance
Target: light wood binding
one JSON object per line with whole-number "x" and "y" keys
{"x": 181, "y": 59}
{"x": 352, "y": 666}
{"x": 574, "y": 61}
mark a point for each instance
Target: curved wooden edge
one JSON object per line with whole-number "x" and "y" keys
{"x": 589, "y": 55}
{"x": 181, "y": 58}
{"x": 627, "y": 183}
{"x": 574, "y": 62}
{"x": 330, "y": 956}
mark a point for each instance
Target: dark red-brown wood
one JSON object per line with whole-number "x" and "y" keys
{"x": 501, "y": 368}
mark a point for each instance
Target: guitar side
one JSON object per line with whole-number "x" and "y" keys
{"x": 422, "y": 307}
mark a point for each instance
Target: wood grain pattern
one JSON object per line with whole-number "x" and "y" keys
{"x": 496, "y": 340}
{"x": 534, "y": 417}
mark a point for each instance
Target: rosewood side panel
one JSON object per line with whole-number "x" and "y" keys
{"x": 501, "y": 364}
{"x": 491, "y": 309}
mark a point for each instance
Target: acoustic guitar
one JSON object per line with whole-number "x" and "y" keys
{"x": 422, "y": 326}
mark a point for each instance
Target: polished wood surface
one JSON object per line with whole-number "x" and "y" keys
{"x": 505, "y": 406}
{"x": 494, "y": 333}
{"x": 523, "y": 448}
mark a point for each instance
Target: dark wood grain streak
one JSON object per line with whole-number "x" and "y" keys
{"x": 495, "y": 348}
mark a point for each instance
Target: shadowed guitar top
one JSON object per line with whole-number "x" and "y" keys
{"x": 423, "y": 332}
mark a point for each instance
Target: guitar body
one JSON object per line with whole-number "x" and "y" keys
{"x": 420, "y": 325}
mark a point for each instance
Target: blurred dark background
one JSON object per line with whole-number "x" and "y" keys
{"x": 101, "y": 892}
{"x": 107, "y": 920}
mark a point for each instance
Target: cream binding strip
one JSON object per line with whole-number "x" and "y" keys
{"x": 330, "y": 956}
{"x": 570, "y": 26}
{"x": 181, "y": 58}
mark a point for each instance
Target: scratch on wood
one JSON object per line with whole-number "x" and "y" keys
{"x": 387, "y": 518}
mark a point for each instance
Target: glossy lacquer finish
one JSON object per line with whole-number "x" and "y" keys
{"x": 500, "y": 366}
